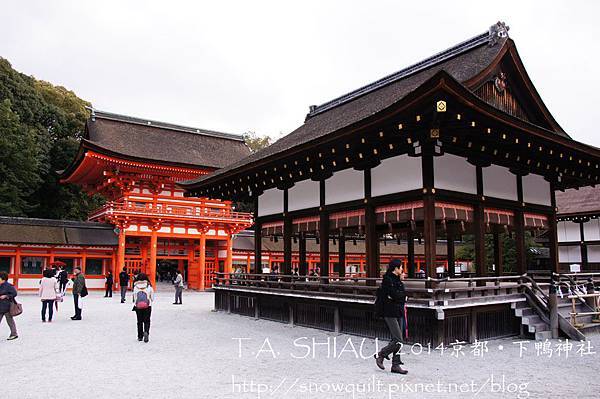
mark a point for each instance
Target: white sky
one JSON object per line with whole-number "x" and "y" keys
{"x": 258, "y": 65}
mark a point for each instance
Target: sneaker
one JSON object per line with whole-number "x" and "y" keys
{"x": 146, "y": 337}
{"x": 43, "y": 321}
{"x": 12, "y": 337}
{"x": 140, "y": 339}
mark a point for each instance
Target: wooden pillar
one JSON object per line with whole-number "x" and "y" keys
{"x": 521, "y": 255}
{"x": 582, "y": 247}
{"x": 202, "y": 261}
{"x": 429, "y": 237}
{"x": 303, "y": 267}
{"x": 287, "y": 245}
{"x": 520, "y": 249}
{"x": 479, "y": 233}
{"x": 371, "y": 237}
{"x": 257, "y": 248}
{"x": 342, "y": 255}
{"x": 410, "y": 243}
{"x": 553, "y": 237}
{"x": 498, "y": 256}
{"x": 229, "y": 261}
{"x": 324, "y": 244}
{"x": 121, "y": 249}
{"x": 17, "y": 270}
{"x": 450, "y": 251}
{"x": 152, "y": 265}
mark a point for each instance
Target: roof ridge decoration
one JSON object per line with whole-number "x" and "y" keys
{"x": 95, "y": 113}
{"x": 494, "y": 34}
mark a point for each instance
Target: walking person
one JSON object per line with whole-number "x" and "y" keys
{"x": 48, "y": 293}
{"x": 123, "y": 283}
{"x": 143, "y": 296}
{"x": 109, "y": 285}
{"x": 178, "y": 282}
{"x": 7, "y": 296}
{"x": 391, "y": 298}
{"x": 79, "y": 291}
{"x": 63, "y": 279}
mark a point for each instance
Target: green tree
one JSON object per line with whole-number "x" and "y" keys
{"x": 49, "y": 121}
{"x": 256, "y": 142}
{"x": 19, "y": 162}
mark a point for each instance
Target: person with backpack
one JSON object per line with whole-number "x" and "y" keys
{"x": 7, "y": 296}
{"x": 123, "y": 283}
{"x": 48, "y": 293}
{"x": 79, "y": 291}
{"x": 178, "y": 282}
{"x": 143, "y": 296}
{"x": 389, "y": 304}
{"x": 109, "y": 285}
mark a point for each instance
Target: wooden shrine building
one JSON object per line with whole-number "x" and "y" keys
{"x": 456, "y": 148}
{"x": 135, "y": 164}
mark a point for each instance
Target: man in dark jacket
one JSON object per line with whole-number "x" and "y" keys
{"x": 123, "y": 283}
{"x": 109, "y": 285}
{"x": 394, "y": 297}
{"x": 7, "y": 296}
{"x": 63, "y": 279}
{"x": 78, "y": 286}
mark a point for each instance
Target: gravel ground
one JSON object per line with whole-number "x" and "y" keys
{"x": 196, "y": 353}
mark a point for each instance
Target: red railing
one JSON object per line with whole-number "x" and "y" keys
{"x": 167, "y": 211}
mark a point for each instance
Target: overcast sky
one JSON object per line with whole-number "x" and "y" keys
{"x": 258, "y": 65}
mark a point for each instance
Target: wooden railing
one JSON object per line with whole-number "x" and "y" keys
{"x": 203, "y": 212}
{"x": 421, "y": 292}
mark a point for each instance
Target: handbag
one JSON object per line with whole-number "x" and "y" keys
{"x": 15, "y": 308}
{"x": 84, "y": 292}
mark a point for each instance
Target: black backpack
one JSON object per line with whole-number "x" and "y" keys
{"x": 379, "y": 303}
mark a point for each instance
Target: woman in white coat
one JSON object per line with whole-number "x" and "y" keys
{"x": 48, "y": 292}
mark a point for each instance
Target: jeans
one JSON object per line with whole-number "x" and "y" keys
{"x": 178, "y": 294}
{"x": 62, "y": 286}
{"x": 11, "y": 323}
{"x": 393, "y": 324}
{"x": 77, "y": 309}
{"x": 143, "y": 321}
{"x": 108, "y": 292}
{"x": 47, "y": 303}
{"x": 123, "y": 292}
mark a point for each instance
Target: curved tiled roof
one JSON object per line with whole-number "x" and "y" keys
{"x": 464, "y": 61}
{"x": 163, "y": 142}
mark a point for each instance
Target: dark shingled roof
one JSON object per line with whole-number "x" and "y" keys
{"x": 463, "y": 62}
{"x": 142, "y": 139}
{"x": 584, "y": 200}
{"x": 55, "y": 232}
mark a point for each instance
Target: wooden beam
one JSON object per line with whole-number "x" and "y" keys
{"x": 498, "y": 255}
{"x": 257, "y": 240}
{"x": 342, "y": 255}
{"x": 152, "y": 265}
{"x": 324, "y": 243}
{"x": 479, "y": 233}
{"x": 450, "y": 251}
{"x": 410, "y": 239}
{"x": 202, "y": 261}
{"x": 429, "y": 235}
{"x": 303, "y": 266}
{"x": 287, "y": 245}
{"x": 521, "y": 255}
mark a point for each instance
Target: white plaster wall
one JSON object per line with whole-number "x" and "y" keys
{"x": 591, "y": 230}
{"x": 270, "y": 202}
{"x": 454, "y": 173}
{"x": 569, "y": 254}
{"x": 303, "y": 195}
{"x": 568, "y": 231}
{"x": 396, "y": 175}
{"x": 499, "y": 182}
{"x": 536, "y": 190}
{"x": 593, "y": 253}
{"x": 345, "y": 185}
